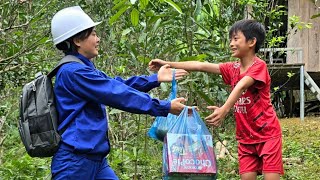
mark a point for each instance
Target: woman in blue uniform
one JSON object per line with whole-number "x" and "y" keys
{"x": 82, "y": 92}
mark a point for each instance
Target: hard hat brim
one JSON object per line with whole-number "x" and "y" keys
{"x": 73, "y": 32}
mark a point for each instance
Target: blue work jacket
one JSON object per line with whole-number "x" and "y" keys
{"x": 82, "y": 91}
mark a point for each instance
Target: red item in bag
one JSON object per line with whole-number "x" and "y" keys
{"x": 190, "y": 153}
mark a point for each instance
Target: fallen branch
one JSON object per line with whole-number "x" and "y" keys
{"x": 222, "y": 151}
{"x": 218, "y": 148}
{"x": 222, "y": 143}
{"x": 290, "y": 161}
{"x": 230, "y": 155}
{"x": 2, "y": 140}
{"x": 2, "y": 120}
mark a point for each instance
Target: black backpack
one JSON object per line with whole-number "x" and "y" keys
{"x": 38, "y": 122}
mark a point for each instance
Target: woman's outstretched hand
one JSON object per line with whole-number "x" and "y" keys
{"x": 165, "y": 74}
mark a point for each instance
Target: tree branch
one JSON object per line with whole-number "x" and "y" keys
{"x": 222, "y": 143}
{"x": 24, "y": 49}
{"x": 9, "y": 69}
{"x": 27, "y": 23}
{"x": 15, "y": 27}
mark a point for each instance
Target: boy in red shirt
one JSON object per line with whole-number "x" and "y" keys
{"x": 258, "y": 130}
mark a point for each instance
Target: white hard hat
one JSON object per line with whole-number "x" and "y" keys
{"x": 68, "y": 22}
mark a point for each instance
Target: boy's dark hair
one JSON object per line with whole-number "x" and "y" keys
{"x": 251, "y": 29}
{"x": 68, "y": 45}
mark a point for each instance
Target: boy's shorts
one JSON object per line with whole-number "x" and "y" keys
{"x": 265, "y": 157}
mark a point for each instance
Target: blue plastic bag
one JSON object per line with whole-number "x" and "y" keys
{"x": 188, "y": 149}
{"x": 162, "y": 124}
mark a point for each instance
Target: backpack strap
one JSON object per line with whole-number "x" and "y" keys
{"x": 66, "y": 59}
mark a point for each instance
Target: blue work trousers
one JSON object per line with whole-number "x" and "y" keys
{"x": 67, "y": 165}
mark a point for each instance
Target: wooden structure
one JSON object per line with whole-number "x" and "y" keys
{"x": 302, "y": 55}
{"x": 307, "y": 39}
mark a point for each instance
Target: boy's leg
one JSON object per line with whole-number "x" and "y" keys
{"x": 250, "y": 165}
{"x": 271, "y": 153}
{"x": 249, "y": 176}
{"x": 271, "y": 176}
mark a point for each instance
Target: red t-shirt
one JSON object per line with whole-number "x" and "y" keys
{"x": 256, "y": 120}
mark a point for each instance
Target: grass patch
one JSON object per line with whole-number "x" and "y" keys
{"x": 301, "y": 148}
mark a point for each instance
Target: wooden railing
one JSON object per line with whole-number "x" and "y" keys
{"x": 273, "y": 50}
{"x": 300, "y": 61}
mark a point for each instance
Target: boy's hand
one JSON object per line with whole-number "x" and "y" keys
{"x": 165, "y": 74}
{"x": 177, "y": 106}
{"x": 216, "y": 118}
{"x": 155, "y": 64}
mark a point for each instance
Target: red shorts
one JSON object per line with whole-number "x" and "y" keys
{"x": 265, "y": 157}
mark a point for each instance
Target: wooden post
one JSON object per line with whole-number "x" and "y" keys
{"x": 292, "y": 102}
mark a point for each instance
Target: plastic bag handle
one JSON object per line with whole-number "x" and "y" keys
{"x": 173, "y": 85}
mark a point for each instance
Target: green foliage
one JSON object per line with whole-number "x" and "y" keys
{"x": 24, "y": 40}
{"x": 134, "y": 17}
{"x": 174, "y": 5}
{"x": 295, "y": 22}
{"x": 22, "y": 166}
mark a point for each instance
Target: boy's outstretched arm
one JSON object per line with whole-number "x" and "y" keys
{"x": 219, "y": 113}
{"x": 155, "y": 64}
